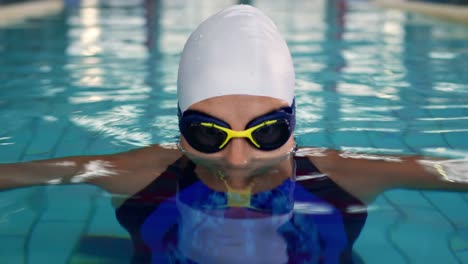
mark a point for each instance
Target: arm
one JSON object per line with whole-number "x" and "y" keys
{"x": 366, "y": 176}
{"x": 123, "y": 173}
{"x": 53, "y": 171}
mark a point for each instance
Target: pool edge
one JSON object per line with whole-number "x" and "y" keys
{"x": 15, "y": 13}
{"x": 453, "y": 13}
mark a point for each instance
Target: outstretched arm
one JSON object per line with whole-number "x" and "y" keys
{"x": 122, "y": 173}
{"x": 366, "y": 176}
{"x": 53, "y": 171}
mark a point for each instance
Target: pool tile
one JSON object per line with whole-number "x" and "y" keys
{"x": 459, "y": 244}
{"x": 45, "y": 137}
{"x": 418, "y": 141}
{"x": 73, "y": 143}
{"x": 103, "y": 146}
{"x": 457, "y": 140}
{"x": 411, "y": 113}
{"x": 69, "y": 202}
{"x": 408, "y": 199}
{"x": 447, "y": 112}
{"x": 451, "y": 205}
{"x": 103, "y": 221}
{"x": 351, "y": 139}
{"x": 12, "y": 249}
{"x": 47, "y": 243}
{"x": 318, "y": 139}
{"x": 104, "y": 250}
{"x": 422, "y": 231}
{"x": 373, "y": 242}
{"x": 454, "y": 206}
{"x": 17, "y": 222}
{"x": 422, "y": 235}
{"x": 388, "y": 140}
{"x": 19, "y": 209}
{"x": 14, "y": 152}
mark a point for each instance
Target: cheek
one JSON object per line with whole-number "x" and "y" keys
{"x": 184, "y": 144}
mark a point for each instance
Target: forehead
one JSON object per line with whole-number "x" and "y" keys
{"x": 238, "y": 109}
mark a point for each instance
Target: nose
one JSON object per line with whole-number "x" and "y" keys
{"x": 237, "y": 153}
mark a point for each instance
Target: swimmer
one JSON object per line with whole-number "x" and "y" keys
{"x": 236, "y": 188}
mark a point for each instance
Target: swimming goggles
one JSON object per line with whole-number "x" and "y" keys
{"x": 208, "y": 134}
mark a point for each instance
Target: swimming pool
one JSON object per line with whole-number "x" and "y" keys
{"x": 101, "y": 78}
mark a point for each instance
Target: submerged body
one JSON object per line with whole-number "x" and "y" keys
{"x": 307, "y": 218}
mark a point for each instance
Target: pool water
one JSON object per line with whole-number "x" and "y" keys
{"x": 100, "y": 78}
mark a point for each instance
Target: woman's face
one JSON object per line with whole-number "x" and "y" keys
{"x": 239, "y": 158}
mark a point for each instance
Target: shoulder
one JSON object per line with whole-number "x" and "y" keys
{"x": 154, "y": 156}
{"x": 349, "y": 174}
{"x": 324, "y": 159}
{"x": 137, "y": 168}
{"x": 367, "y": 175}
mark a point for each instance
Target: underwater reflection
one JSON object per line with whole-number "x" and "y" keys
{"x": 295, "y": 216}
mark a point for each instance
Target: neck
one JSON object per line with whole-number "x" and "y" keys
{"x": 238, "y": 197}
{"x": 260, "y": 182}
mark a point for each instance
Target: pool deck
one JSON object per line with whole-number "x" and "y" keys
{"x": 456, "y": 13}
{"x": 14, "y": 13}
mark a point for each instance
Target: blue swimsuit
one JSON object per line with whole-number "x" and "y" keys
{"x": 311, "y": 220}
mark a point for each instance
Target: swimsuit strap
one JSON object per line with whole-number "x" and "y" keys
{"x": 136, "y": 209}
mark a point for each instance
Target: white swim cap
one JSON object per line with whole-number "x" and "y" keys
{"x": 236, "y": 51}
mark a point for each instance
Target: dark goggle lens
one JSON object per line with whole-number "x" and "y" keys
{"x": 204, "y": 139}
{"x": 208, "y": 139}
{"x": 273, "y": 136}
